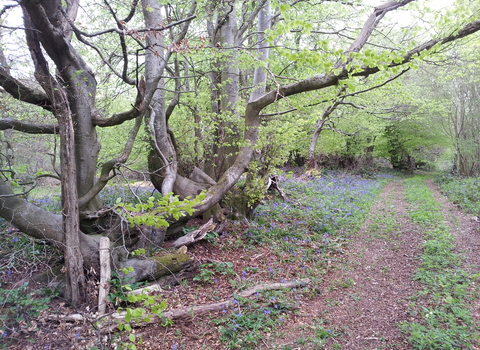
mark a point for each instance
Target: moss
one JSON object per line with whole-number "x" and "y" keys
{"x": 169, "y": 263}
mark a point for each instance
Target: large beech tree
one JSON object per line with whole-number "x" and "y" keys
{"x": 67, "y": 87}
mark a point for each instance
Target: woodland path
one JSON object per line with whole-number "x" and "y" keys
{"x": 367, "y": 295}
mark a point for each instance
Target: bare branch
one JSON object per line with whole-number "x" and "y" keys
{"x": 351, "y": 104}
{"x": 18, "y": 125}
{"x": 248, "y": 23}
{"x": 134, "y": 31}
{"x": 6, "y": 8}
{"x": 119, "y": 118}
{"x": 123, "y": 45}
{"x": 379, "y": 85}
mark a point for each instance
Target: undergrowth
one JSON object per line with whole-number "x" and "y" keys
{"x": 465, "y": 192}
{"x": 305, "y": 233}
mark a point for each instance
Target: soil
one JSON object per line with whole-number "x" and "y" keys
{"x": 361, "y": 298}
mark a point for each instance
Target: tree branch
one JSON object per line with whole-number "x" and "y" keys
{"x": 134, "y": 31}
{"x": 190, "y": 311}
{"x": 13, "y": 124}
{"x": 6, "y": 8}
{"x": 119, "y": 118}
{"x": 22, "y": 92}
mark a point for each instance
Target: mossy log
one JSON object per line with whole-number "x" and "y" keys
{"x": 151, "y": 269}
{"x": 147, "y": 269}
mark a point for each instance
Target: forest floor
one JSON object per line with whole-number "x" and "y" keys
{"x": 366, "y": 295}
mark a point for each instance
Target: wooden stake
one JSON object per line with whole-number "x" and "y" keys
{"x": 105, "y": 274}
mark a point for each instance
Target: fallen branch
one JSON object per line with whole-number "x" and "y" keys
{"x": 195, "y": 235}
{"x": 182, "y": 312}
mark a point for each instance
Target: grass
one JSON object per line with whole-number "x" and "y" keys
{"x": 447, "y": 320}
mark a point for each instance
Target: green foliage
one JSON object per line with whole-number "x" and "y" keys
{"x": 138, "y": 307}
{"x": 465, "y": 192}
{"x": 249, "y": 321}
{"x": 254, "y": 190}
{"x": 208, "y": 271}
{"x": 22, "y": 306}
{"x": 410, "y": 138}
{"x": 157, "y": 212}
{"x": 212, "y": 236}
{"x": 119, "y": 288}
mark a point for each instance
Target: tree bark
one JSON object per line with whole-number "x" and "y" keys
{"x": 76, "y": 284}
{"x": 163, "y": 151}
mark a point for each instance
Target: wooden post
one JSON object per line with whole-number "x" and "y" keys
{"x": 105, "y": 274}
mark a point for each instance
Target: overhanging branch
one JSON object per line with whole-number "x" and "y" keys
{"x": 133, "y": 113}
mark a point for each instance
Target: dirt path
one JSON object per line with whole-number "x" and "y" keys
{"x": 381, "y": 260}
{"x": 368, "y": 294}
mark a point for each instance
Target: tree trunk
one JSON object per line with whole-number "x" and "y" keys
{"x": 312, "y": 163}
{"x": 225, "y": 85}
{"x": 163, "y": 157}
{"x": 75, "y": 286}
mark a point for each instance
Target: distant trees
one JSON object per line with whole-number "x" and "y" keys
{"x": 458, "y": 91}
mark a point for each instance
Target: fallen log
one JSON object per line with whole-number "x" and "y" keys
{"x": 158, "y": 266}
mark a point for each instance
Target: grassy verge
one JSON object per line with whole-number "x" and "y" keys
{"x": 443, "y": 304}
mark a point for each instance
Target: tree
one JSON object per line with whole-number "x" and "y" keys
{"x": 67, "y": 87}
